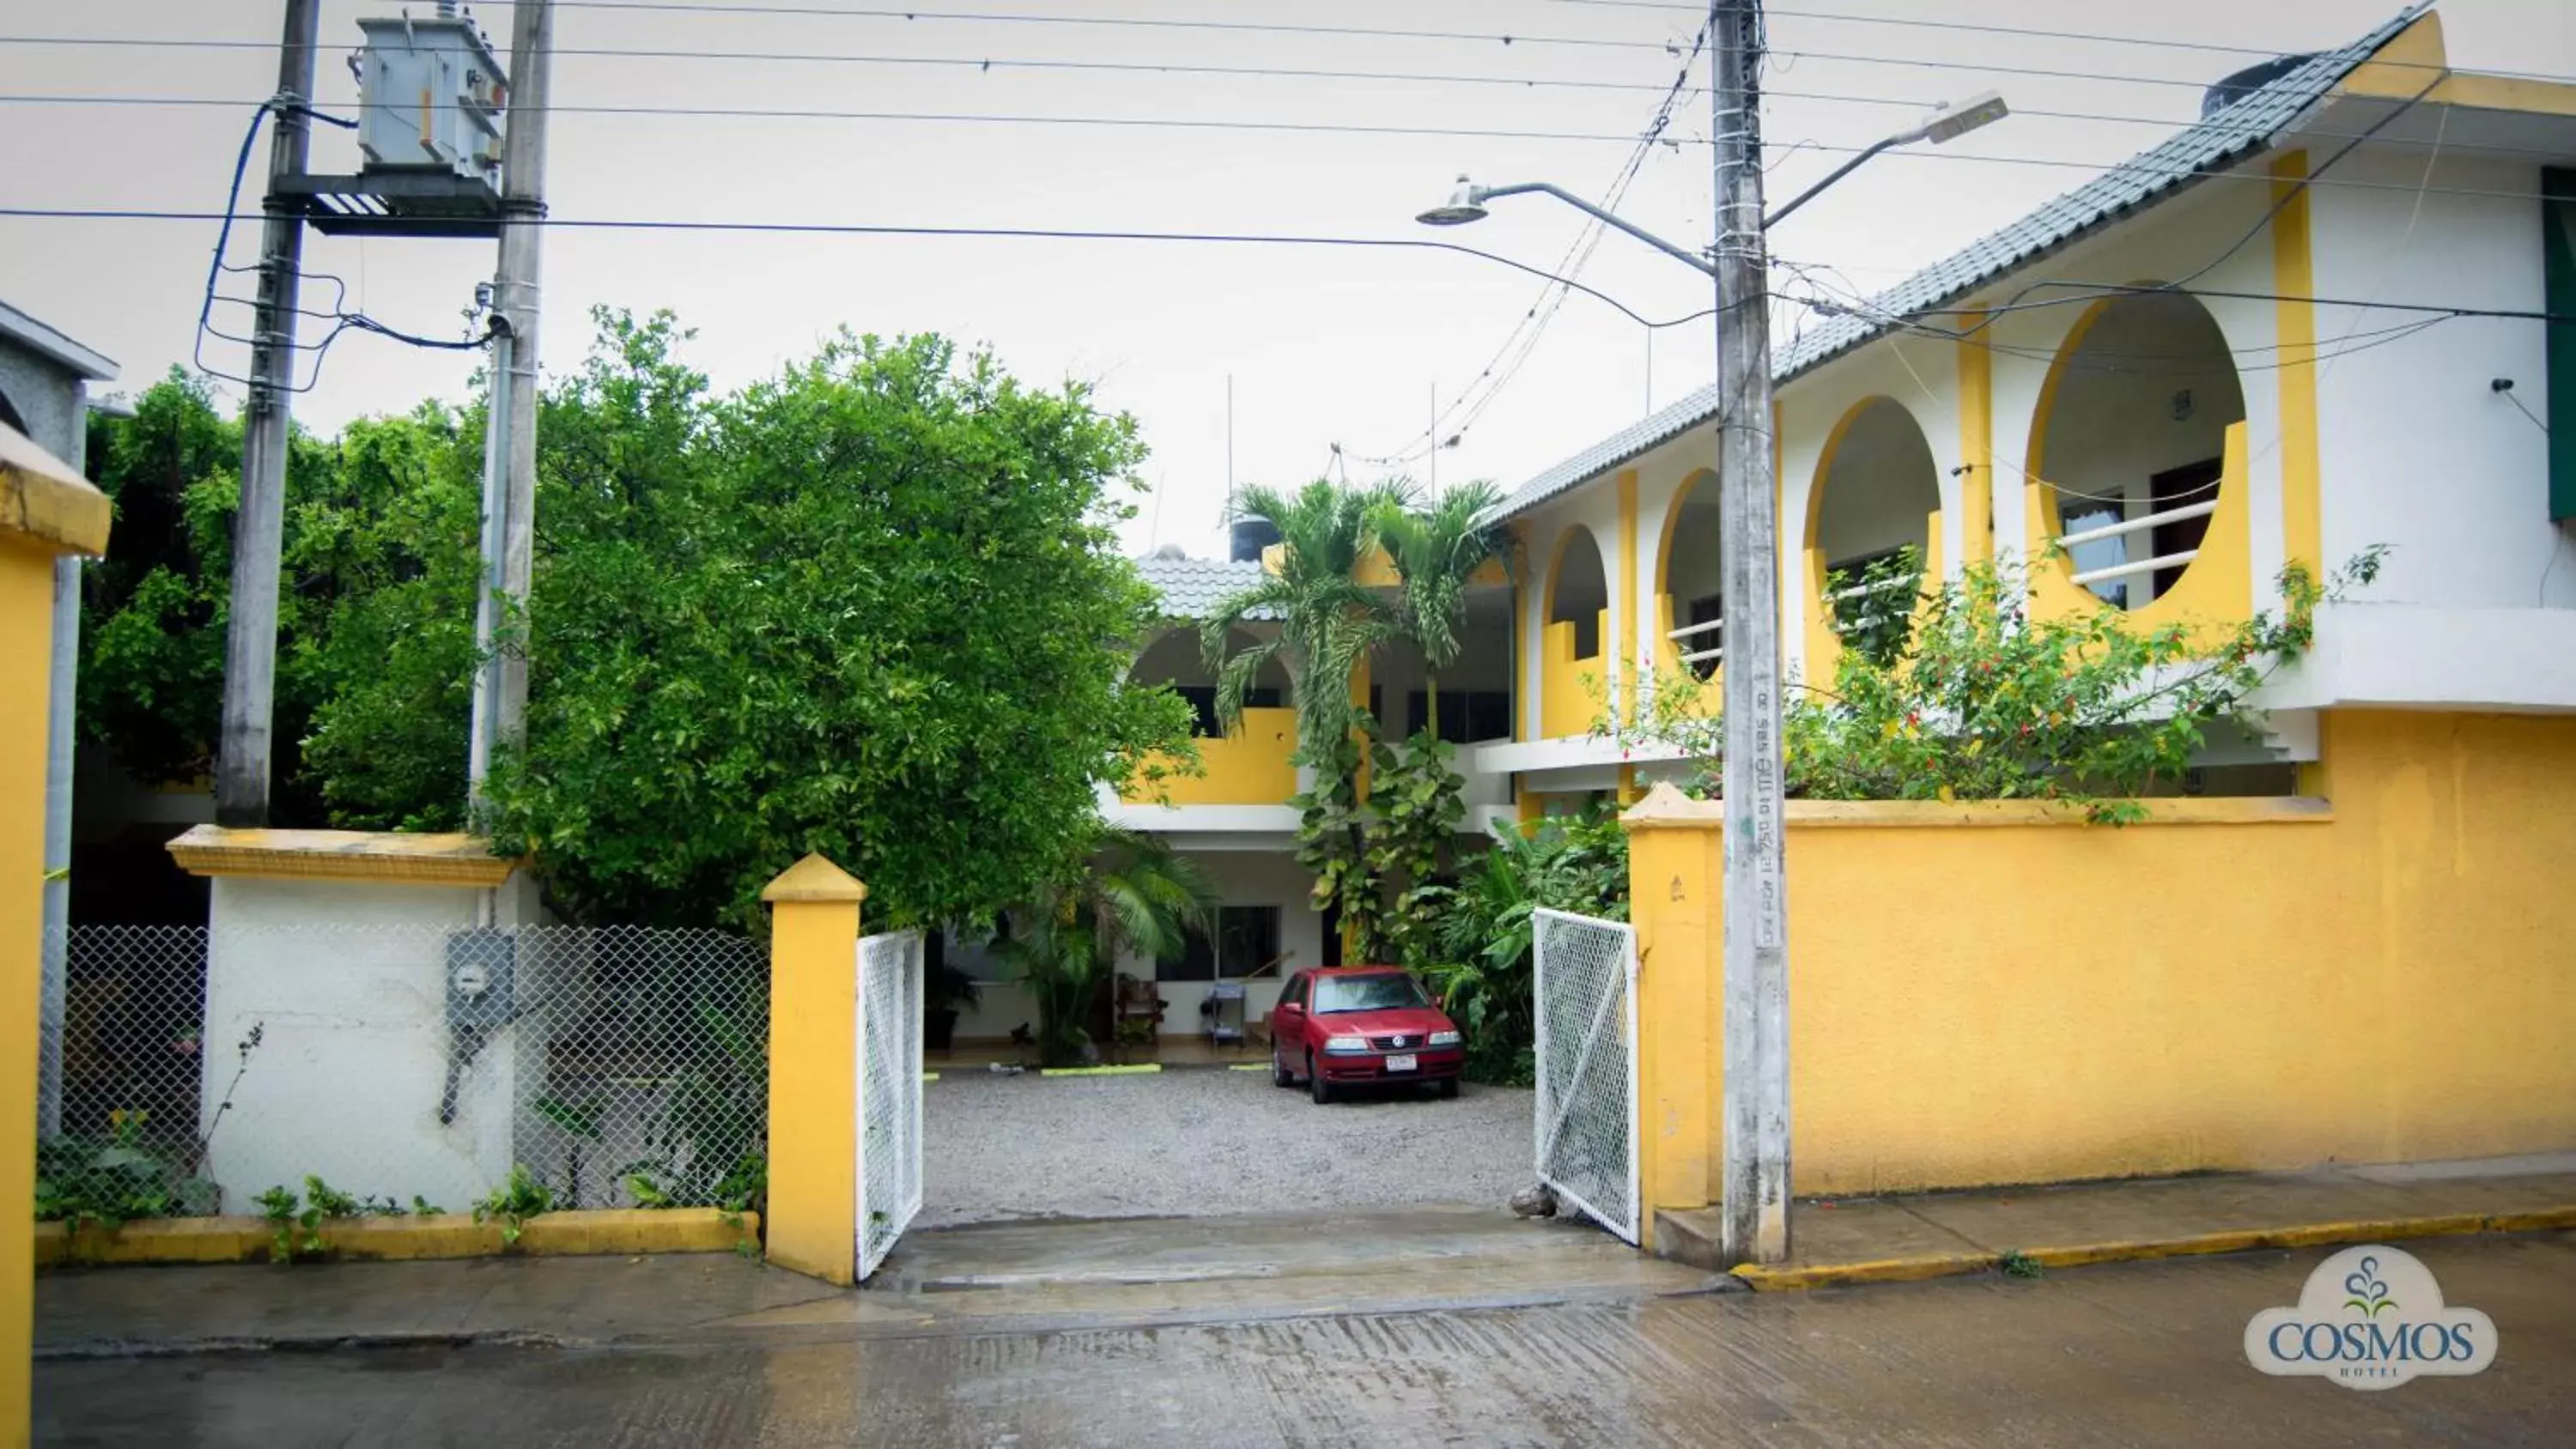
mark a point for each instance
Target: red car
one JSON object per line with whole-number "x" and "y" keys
{"x": 1351, "y": 1026}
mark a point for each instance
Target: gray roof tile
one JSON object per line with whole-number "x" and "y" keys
{"x": 1193, "y": 587}
{"x": 2214, "y": 143}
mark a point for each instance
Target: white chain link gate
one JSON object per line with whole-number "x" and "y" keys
{"x": 889, "y": 1087}
{"x": 1586, "y": 982}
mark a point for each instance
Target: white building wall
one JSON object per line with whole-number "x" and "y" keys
{"x": 347, "y": 982}
{"x": 2419, "y": 452}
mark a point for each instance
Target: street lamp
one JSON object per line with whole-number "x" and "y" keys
{"x": 1467, "y": 202}
{"x": 1754, "y": 1020}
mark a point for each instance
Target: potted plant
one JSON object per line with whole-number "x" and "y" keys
{"x": 945, "y": 989}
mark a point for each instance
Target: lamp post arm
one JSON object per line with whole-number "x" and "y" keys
{"x": 1706, "y": 267}
{"x": 1838, "y": 173}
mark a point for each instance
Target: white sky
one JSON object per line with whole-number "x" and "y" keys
{"x": 1323, "y": 345}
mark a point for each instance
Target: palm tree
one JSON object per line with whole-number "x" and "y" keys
{"x": 1437, "y": 551}
{"x": 1328, "y": 621}
{"x": 1137, "y": 895}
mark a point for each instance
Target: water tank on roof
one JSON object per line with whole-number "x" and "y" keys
{"x": 1249, "y": 536}
{"x": 2246, "y": 82}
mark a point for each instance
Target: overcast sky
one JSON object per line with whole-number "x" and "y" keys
{"x": 1322, "y": 344}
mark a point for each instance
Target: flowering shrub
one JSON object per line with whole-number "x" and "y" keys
{"x": 1980, "y": 701}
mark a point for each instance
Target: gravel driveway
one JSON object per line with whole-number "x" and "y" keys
{"x": 1202, "y": 1140}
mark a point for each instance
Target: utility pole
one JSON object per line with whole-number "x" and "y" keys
{"x": 1754, "y": 1171}
{"x": 510, "y": 462}
{"x": 243, "y": 750}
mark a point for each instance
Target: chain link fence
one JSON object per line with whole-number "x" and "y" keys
{"x": 409, "y": 1066}
{"x": 889, "y": 1092}
{"x": 1586, "y": 1128}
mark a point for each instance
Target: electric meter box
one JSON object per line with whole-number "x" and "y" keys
{"x": 431, "y": 96}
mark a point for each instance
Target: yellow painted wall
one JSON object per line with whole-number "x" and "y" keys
{"x": 1248, "y": 767}
{"x": 1572, "y": 691}
{"x": 2243, "y": 984}
{"x": 2214, "y": 594}
{"x": 813, "y": 1069}
{"x": 26, "y": 654}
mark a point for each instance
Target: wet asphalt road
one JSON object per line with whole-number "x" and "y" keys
{"x": 2132, "y": 1354}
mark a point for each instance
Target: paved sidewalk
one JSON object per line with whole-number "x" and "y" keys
{"x": 1137, "y": 1272}
{"x": 1929, "y": 1235}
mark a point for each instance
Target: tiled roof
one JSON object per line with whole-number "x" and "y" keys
{"x": 2215, "y": 142}
{"x": 1193, "y": 587}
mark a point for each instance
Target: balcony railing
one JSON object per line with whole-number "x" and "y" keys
{"x": 1713, "y": 654}
{"x": 2140, "y": 524}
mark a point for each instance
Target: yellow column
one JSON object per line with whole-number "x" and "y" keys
{"x": 1621, "y": 676}
{"x": 1532, "y": 807}
{"x": 814, "y": 1069}
{"x": 2294, "y": 320}
{"x": 1976, "y": 446}
{"x": 1672, "y": 899}
{"x": 46, "y": 509}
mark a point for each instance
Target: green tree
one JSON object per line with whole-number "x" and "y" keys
{"x": 153, "y": 612}
{"x": 872, "y": 607}
{"x": 1328, "y": 622}
{"x": 1437, "y": 550}
{"x": 1134, "y": 895}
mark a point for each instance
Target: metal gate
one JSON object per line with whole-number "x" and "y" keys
{"x": 889, "y": 1088}
{"x": 1586, "y": 982}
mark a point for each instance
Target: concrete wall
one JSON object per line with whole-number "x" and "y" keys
{"x": 347, "y": 981}
{"x": 2383, "y": 975}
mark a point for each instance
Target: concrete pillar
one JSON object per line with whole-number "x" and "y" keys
{"x": 1673, "y": 849}
{"x": 814, "y": 1069}
{"x": 47, "y": 510}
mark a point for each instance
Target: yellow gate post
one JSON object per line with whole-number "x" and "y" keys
{"x": 813, "y": 1215}
{"x": 46, "y": 509}
{"x": 1673, "y": 854}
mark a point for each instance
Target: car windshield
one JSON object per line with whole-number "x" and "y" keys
{"x": 1380, "y": 991}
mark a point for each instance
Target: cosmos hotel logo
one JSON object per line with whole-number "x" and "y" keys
{"x": 2370, "y": 1318}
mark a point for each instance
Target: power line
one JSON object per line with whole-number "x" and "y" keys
{"x": 2204, "y": 47}
{"x": 801, "y": 113}
{"x": 783, "y": 228}
{"x": 1525, "y": 334}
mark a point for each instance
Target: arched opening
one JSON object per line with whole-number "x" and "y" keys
{"x": 1693, "y": 606}
{"x": 1870, "y": 517}
{"x": 2130, "y": 444}
{"x": 1177, "y": 660}
{"x": 1573, "y": 682}
{"x": 1578, "y": 590}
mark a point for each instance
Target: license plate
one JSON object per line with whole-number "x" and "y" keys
{"x": 1400, "y": 1064}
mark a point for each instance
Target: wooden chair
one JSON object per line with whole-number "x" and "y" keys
{"x": 1134, "y": 1000}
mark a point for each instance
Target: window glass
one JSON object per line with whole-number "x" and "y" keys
{"x": 1246, "y": 938}
{"x": 1377, "y": 991}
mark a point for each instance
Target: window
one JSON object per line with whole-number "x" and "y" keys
{"x": 2078, "y": 515}
{"x": 1467, "y": 716}
{"x": 1246, "y": 939}
{"x": 1377, "y": 991}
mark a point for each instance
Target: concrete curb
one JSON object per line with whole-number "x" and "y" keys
{"x": 442, "y": 1235}
{"x": 1795, "y": 1277}
{"x": 1139, "y": 1069}
{"x": 110, "y": 1349}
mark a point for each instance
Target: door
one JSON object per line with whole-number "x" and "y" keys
{"x": 1288, "y": 1025}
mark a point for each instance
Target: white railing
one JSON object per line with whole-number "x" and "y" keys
{"x": 1714, "y": 651}
{"x": 1892, "y": 585}
{"x": 2140, "y": 524}
{"x": 889, "y": 1092}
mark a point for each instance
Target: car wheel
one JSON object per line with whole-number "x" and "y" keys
{"x": 1279, "y": 1073}
{"x": 1315, "y": 1083}
{"x": 1448, "y": 1088}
